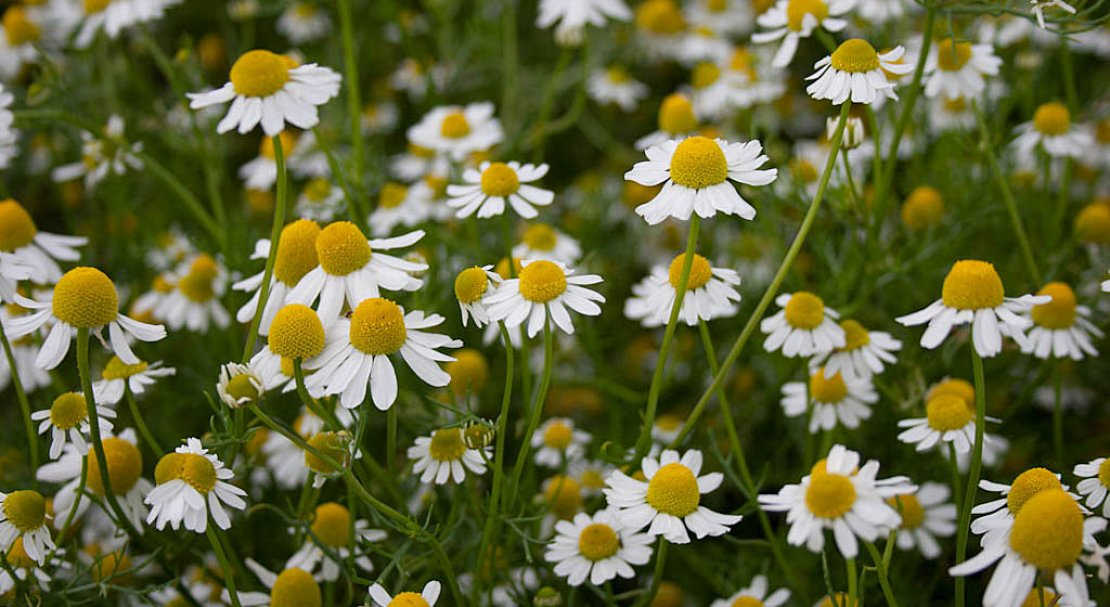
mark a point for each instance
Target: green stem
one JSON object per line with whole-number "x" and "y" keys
{"x": 489, "y": 531}
{"x": 356, "y": 212}
{"x": 221, "y": 556}
{"x": 275, "y": 238}
{"x": 973, "y": 472}
{"x": 24, "y": 406}
{"x": 140, "y": 423}
{"x": 657, "y": 573}
{"x": 354, "y": 104}
{"x": 1058, "y": 417}
{"x": 853, "y": 582}
{"x": 957, "y": 487}
{"x": 538, "y": 399}
{"x": 884, "y": 579}
{"x": 1069, "y": 74}
{"x": 547, "y": 101}
{"x": 390, "y": 437}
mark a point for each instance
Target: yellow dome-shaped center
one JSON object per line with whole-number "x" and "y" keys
{"x": 830, "y": 495}
{"x": 1092, "y": 224}
{"x": 199, "y": 284}
{"x": 564, "y": 495}
{"x": 1058, "y": 313}
{"x": 469, "y": 372}
{"x": 676, "y": 115}
{"x": 913, "y": 514}
{"x": 296, "y": 253}
{"x": 499, "y": 179}
{"x": 471, "y": 284}
{"x": 660, "y": 17}
{"x": 408, "y": 599}
{"x": 1048, "y": 531}
{"x": 705, "y": 74}
{"x": 68, "y": 410}
{"x": 540, "y": 237}
{"x": 317, "y": 190}
{"x": 296, "y": 332}
{"x": 17, "y": 229}
{"x": 796, "y": 10}
{"x": 454, "y": 126}
{"x": 803, "y": 170}
{"x": 1052, "y": 119}
{"x": 288, "y": 143}
{"x": 952, "y": 56}
{"x": 598, "y": 541}
{"x": 378, "y": 327}
{"x": 674, "y": 490}
{"x": 804, "y": 311}
{"x": 260, "y": 73}
{"x": 125, "y": 466}
{"x": 1028, "y": 484}
{"x": 947, "y": 412}
{"x": 956, "y": 387}
{"x": 558, "y": 435}
{"x": 117, "y": 369}
{"x": 85, "y": 298}
{"x": 746, "y": 601}
{"x": 19, "y": 28}
{"x": 618, "y": 75}
{"x": 25, "y": 509}
{"x": 392, "y": 195}
{"x": 196, "y": 470}
{"x": 855, "y": 55}
{"x": 447, "y": 445}
{"x": 700, "y": 272}
{"x": 295, "y": 588}
{"x": 855, "y": 335}
{"x": 828, "y": 391}
{"x": 342, "y": 248}
{"x": 972, "y": 285}
{"x": 542, "y": 281}
{"x": 698, "y": 162}
{"x": 332, "y": 525}
{"x": 924, "y": 208}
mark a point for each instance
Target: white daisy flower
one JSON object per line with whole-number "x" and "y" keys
{"x": 194, "y": 304}
{"x": 615, "y": 85}
{"x": 957, "y": 69}
{"x": 471, "y": 288}
{"x": 320, "y": 200}
{"x": 997, "y": 516}
{"x": 397, "y": 206}
{"x": 829, "y": 400}
{"x": 951, "y": 115}
{"x": 1061, "y": 328}
{"x": 702, "y": 44}
{"x": 356, "y": 355}
{"x": 670, "y": 499}
{"x": 426, "y": 598}
{"x": 68, "y": 418}
{"x": 239, "y": 385}
{"x": 303, "y": 22}
{"x": 379, "y": 118}
{"x": 726, "y": 17}
{"x": 350, "y": 270}
{"x": 926, "y": 515}
{"x": 285, "y": 459}
{"x": 541, "y": 241}
{"x": 27, "y": 570}
{"x": 484, "y": 191}
{"x": 101, "y": 156}
{"x": 714, "y": 92}
{"x": 1095, "y": 484}
{"x": 856, "y": 71}
{"x": 457, "y": 131}
{"x": 444, "y": 457}
{"x": 544, "y": 288}
{"x": 118, "y": 376}
{"x": 557, "y": 442}
{"x": 330, "y": 528}
{"x": 865, "y": 353}
{"x": 293, "y": 586}
{"x": 949, "y": 418}
{"x": 755, "y": 595}
{"x": 710, "y": 293}
{"x": 84, "y": 298}
{"x": 270, "y": 89}
{"x": 26, "y": 252}
{"x": 23, "y": 517}
{"x": 1052, "y": 130}
{"x": 192, "y": 484}
{"x": 676, "y": 120}
{"x": 973, "y": 293}
{"x": 878, "y": 12}
{"x": 296, "y": 257}
{"x": 416, "y": 162}
{"x": 599, "y": 548}
{"x": 20, "y": 34}
{"x": 695, "y": 173}
{"x": 574, "y": 15}
{"x": 659, "y": 28}
{"x": 666, "y": 428}
{"x": 804, "y": 326}
{"x": 840, "y": 496}
{"x": 590, "y": 475}
{"x": 792, "y": 20}
{"x": 114, "y": 16}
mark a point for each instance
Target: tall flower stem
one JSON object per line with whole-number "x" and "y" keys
{"x": 884, "y": 574}
{"x": 538, "y": 399}
{"x": 973, "y": 472}
{"x": 354, "y": 103}
{"x": 853, "y": 583}
{"x": 644, "y": 441}
{"x": 24, "y": 406}
{"x": 489, "y": 531}
{"x": 225, "y": 567}
{"x": 140, "y": 423}
{"x": 275, "y": 237}
{"x": 657, "y": 574}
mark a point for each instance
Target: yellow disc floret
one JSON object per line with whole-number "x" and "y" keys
{"x": 746, "y": 601}
{"x": 331, "y": 525}
{"x": 85, "y": 298}
{"x": 19, "y": 28}
{"x": 705, "y": 74}
{"x": 558, "y": 435}
{"x": 260, "y": 73}
{"x": 317, "y": 190}
{"x": 1092, "y": 224}
{"x": 454, "y": 126}
{"x": 829, "y": 391}
{"x": 804, "y": 311}
{"x": 913, "y": 515}
{"x": 855, "y": 335}
{"x": 698, "y": 162}
{"x": 392, "y": 195}
{"x": 408, "y": 599}
{"x": 198, "y": 285}
{"x": 296, "y": 253}
{"x": 598, "y": 541}
{"x": 1048, "y": 531}
{"x": 295, "y": 587}
{"x": 17, "y": 229}
{"x": 68, "y": 410}
{"x": 954, "y": 386}
{"x": 342, "y": 248}
{"x": 700, "y": 272}
{"x": 1028, "y": 484}
{"x": 471, "y": 284}
{"x": 796, "y": 11}
{"x": 125, "y": 466}
{"x": 1059, "y": 313}
{"x": 660, "y": 17}
{"x": 830, "y": 495}
{"x": 25, "y": 509}
{"x": 378, "y": 327}
{"x": 540, "y": 237}
{"x": 972, "y": 285}
{"x": 18, "y": 557}
{"x": 947, "y": 412}
{"x": 296, "y": 332}
{"x": 1052, "y": 119}
{"x": 564, "y": 496}
{"x": 924, "y": 208}
{"x": 676, "y": 115}
{"x": 469, "y": 372}
{"x": 499, "y": 179}
{"x": 447, "y": 445}
{"x": 952, "y": 56}
{"x": 194, "y": 469}
{"x": 855, "y": 55}
{"x": 542, "y": 281}
{"x": 674, "y": 490}
{"x": 1040, "y": 596}
{"x": 117, "y": 369}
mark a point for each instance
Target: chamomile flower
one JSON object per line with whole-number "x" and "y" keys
{"x": 101, "y": 156}
{"x": 350, "y": 270}
{"x": 1095, "y": 484}
{"x": 117, "y": 376}
{"x": 558, "y": 441}
{"x": 949, "y": 418}
{"x": 84, "y": 298}
{"x": 457, "y": 131}
{"x": 953, "y": 114}
{"x": 26, "y": 569}
{"x": 471, "y": 288}
{"x": 676, "y": 120}
{"x": 544, "y": 288}
{"x": 303, "y": 22}
{"x": 357, "y": 352}
{"x": 23, "y": 517}
{"x": 194, "y": 304}
{"x": 270, "y": 89}
{"x": 973, "y": 293}
{"x": 303, "y": 159}
{"x": 1052, "y": 130}
{"x": 755, "y": 595}
{"x": 726, "y": 17}
{"x": 24, "y": 352}
{"x": 713, "y": 94}
{"x": 29, "y": 252}
{"x": 397, "y": 207}
{"x": 670, "y": 499}
{"x": 114, "y": 16}
{"x": 574, "y": 15}
{"x": 667, "y": 428}
{"x": 710, "y": 293}
{"x": 425, "y": 598}
{"x": 192, "y": 485}
{"x": 926, "y": 515}
{"x": 997, "y": 516}
{"x": 695, "y": 173}
{"x": 296, "y": 257}
{"x": 239, "y": 385}
{"x": 878, "y": 12}
{"x": 792, "y": 20}
{"x": 857, "y": 72}
{"x": 330, "y": 528}
{"x": 484, "y": 191}
{"x": 616, "y": 86}
{"x": 541, "y": 241}
{"x": 957, "y": 69}
{"x": 840, "y": 496}
{"x": 67, "y": 419}
{"x": 444, "y": 457}
{"x": 865, "y": 353}
{"x": 379, "y": 118}
{"x": 598, "y": 548}
{"x": 1061, "y": 328}
{"x": 830, "y": 400}
{"x": 20, "y": 34}
{"x": 804, "y": 326}
{"x": 293, "y": 586}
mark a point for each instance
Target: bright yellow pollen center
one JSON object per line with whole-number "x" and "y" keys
{"x": 1028, "y": 484}
{"x": 662, "y": 17}
{"x": 243, "y": 386}
{"x": 25, "y": 509}
{"x": 830, "y": 495}
{"x": 957, "y": 387}
{"x": 198, "y": 285}
{"x": 716, "y": 6}
{"x": 796, "y": 10}
{"x": 592, "y": 479}
{"x": 947, "y": 412}
{"x": 408, "y": 599}
{"x": 1102, "y": 131}
{"x": 85, "y": 298}
{"x": 598, "y": 541}
{"x": 499, "y": 179}
{"x": 296, "y": 253}
{"x": 952, "y": 56}
{"x": 558, "y": 435}
{"x": 676, "y": 115}
{"x": 378, "y": 327}
{"x": 117, "y": 369}
{"x": 855, "y": 336}
{"x": 447, "y": 445}
{"x": 698, "y": 162}
{"x": 924, "y": 207}
{"x": 542, "y": 281}
{"x": 700, "y": 272}
{"x": 1104, "y": 472}
{"x": 469, "y": 372}
{"x": 471, "y": 284}
{"x": 674, "y": 490}
{"x": 96, "y": 6}
{"x": 454, "y": 126}
{"x": 19, "y": 28}
{"x": 392, "y": 195}
{"x": 332, "y": 525}
{"x": 747, "y": 601}
{"x": 540, "y": 237}
{"x": 295, "y": 588}
{"x": 317, "y": 190}
{"x": 564, "y": 495}
{"x": 18, "y": 557}
{"x": 438, "y": 185}
{"x": 502, "y": 268}
{"x": 342, "y": 248}
{"x": 68, "y": 410}
{"x": 828, "y": 391}
{"x": 17, "y": 229}
{"x": 705, "y": 74}
{"x": 1052, "y": 119}
{"x": 1092, "y": 224}
{"x": 1048, "y": 531}
{"x": 1058, "y": 313}
{"x": 855, "y": 55}
{"x": 125, "y": 466}
{"x": 972, "y": 285}
{"x": 804, "y": 311}
{"x": 195, "y": 469}
{"x": 260, "y": 73}
{"x": 305, "y": 10}
{"x": 296, "y": 332}
{"x": 913, "y": 515}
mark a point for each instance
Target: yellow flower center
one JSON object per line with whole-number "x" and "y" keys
{"x": 454, "y": 126}
{"x": 668, "y": 422}
{"x": 68, "y": 410}
{"x": 804, "y": 170}
{"x": 796, "y": 10}
{"x": 855, "y": 55}
{"x": 342, "y": 248}
{"x": 952, "y": 56}
{"x": 332, "y": 525}
{"x": 296, "y": 253}
{"x": 1102, "y": 131}
{"x": 700, "y": 272}
{"x": 117, "y": 369}
{"x": 18, "y": 557}
{"x": 469, "y": 372}
{"x": 317, "y": 190}
{"x": 499, "y": 179}
{"x": 471, "y": 284}
{"x": 378, "y": 327}
{"x": 447, "y": 445}
{"x": 592, "y": 478}
{"x": 1059, "y": 313}
{"x": 96, "y": 6}
{"x": 828, "y": 391}
{"x": 125, "y": 466}
{"x": 564, "y": 495}
{"x": 305, "y": 10}
{"x": 804, "y": 311}
{"x": 674, "y": 490}
{"x": 1092, "y": 224}
{"x": 17, "y": 229}
{"x": 423, "y": 152}
{"x": 747, "y": 601}
{"x": 1038, "y": 597}
{"x": 705, "y": 74}
{"x": 332, "y": 444}
{"x": 295, "y": 588}
{"x": 438, "y": 186}
{"x": 542, "y": 281}
{"x": 85, "y": 298}
{"x": 296, "y": 332}
{"x": 913, "y": 515}
{"x": 957, "y": 387}
{"x": 19, "y": 27}
{"x": 392, "y": 195}
{"x": 924, "y": 207}
{"x": 676, "y": 115}
{"x": 855, "y": 335}
{"x": 408, "y": 599}
{"x": 288, "y": 143}
{"x": 698, "y": 162}
{"x": 716, "y": 6}
{"x": 502, "y": 267}
{"x": 618, "y": 75}
{"x": 195, "y": 469}
{"x": 25, "y": 509}
{"x": 260, "y": 73}
{"x": 830, "y": 495}
{"x": 955, "y": 106}
{"x": 972, "y": 285}
{"x": 1104, "y": 472}
{"x": 947, "y": 412}
{"x": 558, "y": 435}
{"x": 1052, "y": 119}
{"x": 540, "y": 237}
{"x": 1048, "y": 531}
{"x": 243, "y": 386}
{"x": 199, "y": 284}
{"x": 598, "y": 541}
{"x": 1028, "y": 484}
{"x": 661, "y": 17}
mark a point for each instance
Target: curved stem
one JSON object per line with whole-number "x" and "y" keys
{"x": 221, "y": 556}
{"x": 492, "y": 518}
{"x": 24, "y": 406}
{"x": 884, "y": 578}
{"x": 140, "y": 423}
{"x": 973, "y": 472}
{"x": 275, "y": 238}
{"x": 538, "y": 399}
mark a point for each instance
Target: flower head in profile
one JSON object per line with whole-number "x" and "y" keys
{"x": 425, "y": 598}
{"x": 457, "y": 131}
{"x": 1061, "y": 327}
{"x": 541, "y": 290}
{"x": 710, "y": 293}
{"x": 67, "y": 419}
{"x": 293, "y": 586}
{"x": 865, "y": 353}
{"x": 598, "y": 548}
{"x": 926, "y": 515}
{"x": 958, "y": 69}
{"x": 23, "y": 516}
{"x": 194, "y": 303}
{"x": 192, "y": 485}
{"x": 485, "y": 190}
{"x": 949, "y": 419}
{"x": 755, "y": 595}
{"x": 118, "y": 377}
{"x": 542, "y": 241}
{"x": 856, "y": 71}
{"x": 792, "y": 20}
{"x": 1052, "y": 130}
{"x": 295, "y": 257}
{"x": 444, "y": 456}
{"x": 558, "y": 442}
{"x": 330, "y": 534}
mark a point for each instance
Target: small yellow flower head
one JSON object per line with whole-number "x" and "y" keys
{"x": 195, "y": 470}
{"x": 499, "y": 179}
{"x": 635, "y": 194}
{"x": 855, "y": 335}
{"x": 676, "y": 114}
{"x": 913, "y": 514}
{"x": 954, "y": 386}
{"x": 85, "y": 298}
{"x": 700, "y": 272}
{"x": 542, "y": 281}
{"x": 68, "y": 410}
{"x": 296, "y": 254}
{"x": 698, "y": 162}
{"x": 829, "y": 495}
{"x": 479, "y": 434}
{"x": 1048, "y": 531}
{"x": 17, "y": 229}
{"x": 924, "y": 208}
{"x": 1092, "y": 224}
{"x": 972, "y": 285}
{"x": 377, "y": 327}
{"x": 288, "y": 144}
{"x": 805, "y": 311}
{"x": 296, "y": 332}
{"x": 469, "y": 372}
{"x": 796, "y": 10}
{"x": 540, "y": 237}
{"x": 331, "y": 525}
{"x": 259, "y": 201}
{"x": 1052, "y": 119}
{"x": 392, "y": 195}
{"x": 454, "y": 126}
{"x": 471, "y": 284}
{"x": 238, "y": 386}
{"x": 25, "y": 509}
{"x": 1059, "y": 313}
{"x": 855, "y": 55}
{"x": 948, "y": 412}
{"x": 199, "y": 283}
{"x": 598, "y": 541}
{"x": 705, "y": 74}
{"x": 952, "y": 56}
{"x": 564, "y": 495}
{"x": 547, "y": 597}
{"x": 335, "y": 445}
{"x": 502, "y": 268}
{"x": 674, "y": 490}
{"x": 95, "y": 6}
{"x": 447, "y": 445}
{"x": 125, "y": 466}
{"x": 1030, "y": 483}
{"x": 212, "y": 52}
{"x": 295, "y": 587}
{"x": 660, "y": 17}
{"x": 117, "y": 369}
{"x": 19, "y": 27}
{"x": 260, "y": 73}
{"x": 670, "y": 595}
{"x": 342, "y": 248}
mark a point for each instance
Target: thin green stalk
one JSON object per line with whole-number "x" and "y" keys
{"x": 1069, "y": 74}
{"x": 140, "y": 423}
{"x": 356, "y": 213}
{"x": 185, "y": 195}
{"x": 973, "y": 472}
{"x": 853, "y": 582}
{"x": 538, "y": 399}
{"x": 957, "y": 486}
{"x": 644, "y": 441}
{"x": 354, "y": 103}
{"x": 657, "y": 573}
{"x": 221, "y": 556}
{"x": 884, "y": 579}
{"x": 275, "y": 238}
{"x": 493, "y": 517}
{"x": 24, "y": 406}
{"x": 1058, "y": 417}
